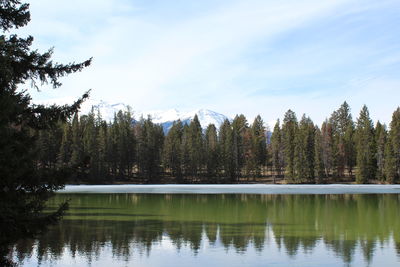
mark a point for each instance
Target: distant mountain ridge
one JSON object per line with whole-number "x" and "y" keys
{"x": 163, "y": 117}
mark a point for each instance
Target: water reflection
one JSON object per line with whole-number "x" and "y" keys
{"x": 136, "y": 224}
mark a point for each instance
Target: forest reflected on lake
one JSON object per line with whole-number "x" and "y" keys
{"x": 257, "y": 230}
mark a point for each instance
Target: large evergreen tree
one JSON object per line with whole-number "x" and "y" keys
{"x": 211, "y": 152}
{"x": 195, "y": 144}
{"x": 327, "y": 144}
{"x": 289, "y": 132}
{"x": 66, "y": 144}
{"x": 392, "y": 149}
{"x": 149, "y": 149}
{"x": 342, "y": 125}
{"x": 277, "y": 150}
{"x": 319, "y": 168}
{"x": 172, "y": 150}
{"x": 304, "y": 151}
{"x": 259, "y": 144}
{"x": 227, "y": 150}
{"x": 25, "y": 187}
{"x": 366, "y": 160}
{"x": 380, "y": 140}
{"x": 395, "y": 139}
{"x": 240, "y": 132}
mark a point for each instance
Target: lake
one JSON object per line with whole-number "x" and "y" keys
{"x": 164, "y": 229}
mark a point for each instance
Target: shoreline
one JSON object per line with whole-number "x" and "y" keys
{"x": 234, "y": 189}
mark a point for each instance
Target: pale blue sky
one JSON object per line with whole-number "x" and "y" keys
{"x": 251, "y": 57}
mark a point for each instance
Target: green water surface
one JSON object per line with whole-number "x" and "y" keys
{"x": 220, "y": 230}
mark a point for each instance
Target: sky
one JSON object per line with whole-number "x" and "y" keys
{"x": 234, "y": 57}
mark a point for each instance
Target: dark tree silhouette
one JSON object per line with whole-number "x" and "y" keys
{"x": 24, "y": 185}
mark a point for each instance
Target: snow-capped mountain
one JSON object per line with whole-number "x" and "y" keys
{"x": 107, "y": 111}
{"x": 205, "y": 116}
{"x": 163, "y": 117}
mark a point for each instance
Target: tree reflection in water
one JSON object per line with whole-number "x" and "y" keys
{"x": 128, "y": 223}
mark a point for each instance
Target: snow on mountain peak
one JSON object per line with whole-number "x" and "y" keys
{"x": 163, "y": 117}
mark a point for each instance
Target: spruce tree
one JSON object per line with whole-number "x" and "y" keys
{"x": 102, "y": 139}
{"x": 195, "y": 142}
{"x": 66, "y": 145}
{"x": 112, "y": 147}
{"x": 239, "y": 130}
{"x": 350, "y": 150}
{"x": 149, "y": 149}
{"x": 327, "y": 147}
{"x": 211, "y": 152}
{"x": 24, "y": 187}
{"x": 185, "y": 152}
{"x": 319, "y": 168}
{"x": 390, "y": 164}
{"x": 366, "y": 161}
{"x": 77, "y": 155}
{"x": 289, "y": 132}
{"x": 392, "y": 149}
{"x": 277, "y": 150}
{"x": 304, "y": 151}
{"x": 249, "y": 153}
{"x": 226, "y": 148}
{"x": 259, "y": 144}
{"x": 172, "y": 150}
{"x": 380, "y": 140}
{"x": 90, "y": 147}
{"x": 395, "y": 139}
{"x": 341, "y": 122}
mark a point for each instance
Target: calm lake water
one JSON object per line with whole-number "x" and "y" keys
{"x": 220, "y": 230}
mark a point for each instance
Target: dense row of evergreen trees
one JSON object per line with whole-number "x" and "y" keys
{"x": 298, "y": 151}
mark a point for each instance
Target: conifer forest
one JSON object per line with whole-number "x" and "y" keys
{"x": 134, "y": 150}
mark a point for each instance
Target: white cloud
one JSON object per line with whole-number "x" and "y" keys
{"x": 201, "y": 59}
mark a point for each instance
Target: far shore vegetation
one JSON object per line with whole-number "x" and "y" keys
{"x": 127, "y": 150}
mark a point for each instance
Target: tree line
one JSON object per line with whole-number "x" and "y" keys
{"x": 297, "y": 151}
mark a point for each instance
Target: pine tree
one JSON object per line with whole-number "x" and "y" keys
{"x": 226, "y": 148}
{"x": 112, "y": 147}
{"x": 195, "y": 142}
{"x": 77, "y": 146}
{"x": 149, "y": 149}
{"x": 66, "y": 145}
{"x": 390, "y": 164}
{"x": 102, "y": 139}
{"x": 172, "y": 150}
{"x": 277, "y": 150}
{"x": 350, "y": 150}
{"x": 240, "y": 129}
{"x": 125, "y": 142}
{"x": 185, "y": 158}
{"x": 259, "y": 144}
{"x": 395, "y": 139}
{"x": 249, "y": 153}
{"x": 380, "y": 140}
{"x": 327, "y": 144}
{"x": 25, "y": 187}
{"x": 319, "y": 168}
{"x": 211, "y": 152}
{"x": 289, "y": 131}
{"x": 392, "y": 149}
{"x": 304, "y": 151}
{"x": 366, "y": 162}
{"x": 90, "y": 147}
{"x": 341, "y": 122}
{"x": 48, "y": 145}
